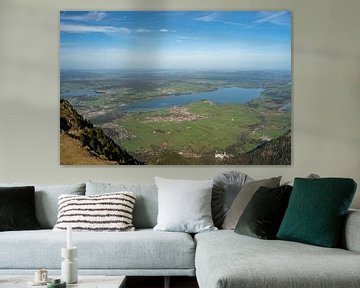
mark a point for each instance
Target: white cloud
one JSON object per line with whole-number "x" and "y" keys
{"x": 79, "y": 28}
{"x": 216, "y": 17}
{"x": 164, "y": 30}
{"x": 277, "y": 18}
{"x": 73, "y": 28}
{"x": 208, "y": 18}
{"x": 273, "y": 17}
{"x": 90, "y": 16}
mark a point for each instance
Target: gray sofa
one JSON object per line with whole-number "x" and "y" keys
{"x": 218, "y": 259}
{"x": 226, "y": 259}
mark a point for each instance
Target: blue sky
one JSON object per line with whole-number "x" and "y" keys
{"x": 196, "y": 40}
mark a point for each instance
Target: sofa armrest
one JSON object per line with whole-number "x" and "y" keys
{"x": 351, "y": 234}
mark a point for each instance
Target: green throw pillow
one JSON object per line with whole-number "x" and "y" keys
{"x": 316, "y": 211}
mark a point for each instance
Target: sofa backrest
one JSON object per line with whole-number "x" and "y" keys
{"x": 351, "y": 237}
{"x": 146, "y": 203}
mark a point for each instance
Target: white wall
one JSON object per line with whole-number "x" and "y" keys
{"x": 326, "y": 91}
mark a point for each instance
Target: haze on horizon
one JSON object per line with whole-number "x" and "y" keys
{"x": 196, "y": 40}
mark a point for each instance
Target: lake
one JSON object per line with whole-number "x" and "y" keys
{"x": 77, "y": 93}
{"x": 233, "y": 95}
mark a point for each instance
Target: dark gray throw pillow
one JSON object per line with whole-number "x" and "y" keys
{"x": 225, "y": 189}
{"x": 243, "y": 198}
{"x": 17, "y": 208}
{"x": 263, "y": 214}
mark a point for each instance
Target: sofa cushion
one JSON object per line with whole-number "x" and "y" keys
{"x": 263, "y": 215}
{"x": 142, "y": 249}
{"x": 225, "y": 259}
{"x": 184, "y": 205}
{"x": 243, "y": 198}
{"x": 317, "y": 209}
{"x": 105, "y": 212}
{"x": 17, "y": 208}
{"x": 310, "y": 176}
{"x": 225, "y": 189}
{"x": 146, "y": 205}
{"x": 350, "y": 239}
{"x": 46, "y": 200}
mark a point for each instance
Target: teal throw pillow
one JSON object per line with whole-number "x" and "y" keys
{"x": 316, "y": 211}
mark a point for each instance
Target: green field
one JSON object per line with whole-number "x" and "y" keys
{"x": 217, "y": 128}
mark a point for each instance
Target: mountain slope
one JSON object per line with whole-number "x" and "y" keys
{"x": 82, "y": 143}
{"x": 74, "y": 153}
{"x": 274, "y": 152}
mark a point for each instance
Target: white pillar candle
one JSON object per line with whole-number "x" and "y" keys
{"x": 69, "y": 237}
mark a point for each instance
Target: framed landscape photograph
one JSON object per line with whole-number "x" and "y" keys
{"x": 175, "y": 87}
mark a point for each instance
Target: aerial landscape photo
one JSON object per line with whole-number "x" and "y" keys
{"x": 175, "y": 88}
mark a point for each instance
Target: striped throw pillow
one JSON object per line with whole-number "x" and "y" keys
{"x": 105, "y": 212}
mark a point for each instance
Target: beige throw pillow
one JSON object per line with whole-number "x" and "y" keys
{"x": 243, "y": 198}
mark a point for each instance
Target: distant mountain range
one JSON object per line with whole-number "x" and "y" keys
{"x": 83, "y": 144}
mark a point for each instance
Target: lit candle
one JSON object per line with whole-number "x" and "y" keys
{"x": 69, "y": 237}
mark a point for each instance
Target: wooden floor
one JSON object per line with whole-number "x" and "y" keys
{"x": 158, "y": 282}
